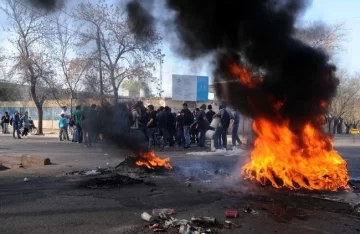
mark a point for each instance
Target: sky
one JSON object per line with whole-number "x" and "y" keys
{"x": 328, "y": 11}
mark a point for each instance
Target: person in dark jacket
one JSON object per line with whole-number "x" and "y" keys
{"x": 143, "y": 118}
{"x": 202, "y": 125}
{"x": 194, "y": 128}
{"x": 210, "y": 114}
{"x": 15, "y": 122}
{"x": 170, "y": 122}
{"x": 161, "y": 124}
{"x": 151, "y": 125}
{"x": 5, "y": 120}
{"x": 235, "y": 136}
{"x": 188, "y": 119}
{"x": 180, "y": 140}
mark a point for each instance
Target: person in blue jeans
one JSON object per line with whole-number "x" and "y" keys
{"x": 235, "y": 129}
{"x": 15, "y": 122}
{"x": 63, "y": 125}
{"x": 202, "y": 125}
{"x": 25, "y": 120}
{"x": 188, "y": 119}
{"x": 151, "y": 126}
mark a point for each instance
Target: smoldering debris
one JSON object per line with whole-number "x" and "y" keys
{"x": 110, "y": 182}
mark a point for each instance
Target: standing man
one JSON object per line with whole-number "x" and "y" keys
{"x": 135, "y": 117}
{"x": 170, "y": 122}
{"x": 26, "y": 123}
{"x": 5, "y": 120}
{"x": 78, "y": 114}
{"x": 161, "y": 124}
{"x": 235, "y": 128}
{"x": 187, "y": 120}
{"x": 15, "y": 122}
{"x": 143, "y": 118}
{"x": 221, "y": 133}
{"x": 88, "y": 124}
{"x": 63, "y": 128}
{"x": 180, "y": 129}
{"x": 67, "y": 117}
{"x": 210, "y": 114}
{"x": 151, "y": 125}
{"x": 203, "y": 124}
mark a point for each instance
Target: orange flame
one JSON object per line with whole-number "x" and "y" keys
{"x": 292, "y": 161}
{"x": 149, "y": 160}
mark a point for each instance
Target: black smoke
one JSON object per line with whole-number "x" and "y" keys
{"x": 142, "y": 21}
{"x": 257, "y": 34}
{"x": 48, "y": 5}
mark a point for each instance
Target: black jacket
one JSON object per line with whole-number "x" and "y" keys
{"x": 188, "y": 117}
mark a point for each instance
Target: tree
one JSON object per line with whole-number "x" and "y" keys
{"x": 352, "y": 116}
{"x": 122, "y": 55}
{"x": 342, "y": 105}
{"x": 73, "y": 70}
{"x": 29, "y": 34}
{"x": 329, "y": 38}
{"x": 319, "y": 35}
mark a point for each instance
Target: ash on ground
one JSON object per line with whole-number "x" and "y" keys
{"x": 110, "y": 182}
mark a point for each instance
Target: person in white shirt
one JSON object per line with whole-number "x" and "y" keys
{"x": 65, "y": 113}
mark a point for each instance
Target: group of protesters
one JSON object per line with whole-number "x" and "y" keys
{"x": 186, "y": 126}
{"x": 18, "y": 121}
{"x": 88, "y": 124}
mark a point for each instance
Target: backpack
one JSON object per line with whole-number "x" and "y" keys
{"x": 11, "y": 120}
{"x": 225, "y": 119}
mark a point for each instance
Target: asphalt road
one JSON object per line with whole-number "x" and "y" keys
{"x": 56, "y": 202}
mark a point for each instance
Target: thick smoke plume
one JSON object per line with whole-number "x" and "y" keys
{"x": 48, "y": 5}
{"x": 141, "y": 22}
{"x": 258, "y": 33}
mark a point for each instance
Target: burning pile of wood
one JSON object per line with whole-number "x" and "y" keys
{"x": 144, "y": 162}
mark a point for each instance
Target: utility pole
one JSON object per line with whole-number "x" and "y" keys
{"x": 100, "y": 68}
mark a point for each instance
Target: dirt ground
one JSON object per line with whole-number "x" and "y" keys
{"x": 60, "y": 199}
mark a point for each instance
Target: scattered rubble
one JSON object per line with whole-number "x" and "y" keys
{"x": 97, "y": 171}
{"x": 249, "y": 210}
{"x": 231, "y": 214}
{"x": 166, "y": 211}
{"x": 161, "y": 221}
{"x": 230, "y": 224}
{"x": 147, "y": 217}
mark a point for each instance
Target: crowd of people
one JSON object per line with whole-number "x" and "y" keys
{"x": 184, "y": 128}
{"x": 21, "y": 124}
